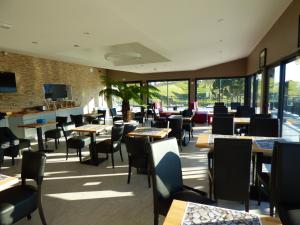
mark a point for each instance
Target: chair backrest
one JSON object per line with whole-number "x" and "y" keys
{"x": 33, "y": 166}
{"x": 231, "y": 168}
{"x": 113, "y": 112}
{"x": 160, "y": 123}
{"x": 223, "y": 125}
{"x": 187, "y": 113}
{"x": 176, "y": 127}
{"x": 166, "y": 168}
{"x": 137, "y": 146}
{"x": 235, "y": 105}
{"x": 103, "y": 112}
{"x": 61, "y": 120}
{"x": 219, "y": 104}
{"x": 6, "y": 135}
{"x": 77, "y": 119}
{"x": 244, "y": 111}
{"x": 127, "y": 129}
{"x": 224, "y": 115}
{"x": 220, "y": 109}
{"x": 67, "y": 128}
{"x": 264, "y": 127}
{"x": 117, "y": 133}
{"x": 287, "y": 173}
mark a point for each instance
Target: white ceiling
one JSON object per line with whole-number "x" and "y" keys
{"x": 190, "y": 34}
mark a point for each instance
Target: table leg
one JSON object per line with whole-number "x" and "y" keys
{"x": 39, "y": 133}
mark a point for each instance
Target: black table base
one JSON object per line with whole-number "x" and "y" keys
{"x": 91, "y": 162}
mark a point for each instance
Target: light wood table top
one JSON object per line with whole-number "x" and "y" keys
{"x": 92, "y": 128}
{"x": 177, "y": 209}
{"x": 38, "y": 125}
{"x": 152, "y": 132}
{"x": 93, "y": 114}
{"x": 241, "y": 120}
{"x": 206, "y": 141}
{"x": 7, "y": 181}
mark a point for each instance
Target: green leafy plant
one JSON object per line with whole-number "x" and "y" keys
{"x": 127, "y": 93}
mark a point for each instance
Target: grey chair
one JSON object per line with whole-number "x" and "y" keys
{"x": 167, "y": 180}
{"x": 229, "y": 178}
{"x": 177, "y": 130}
{"x": 56, "y": 133}
{"x": 20, "y": 201}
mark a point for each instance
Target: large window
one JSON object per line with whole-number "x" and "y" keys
{"x": 291, "y": 103}
{"x": 257, "y": 86}
{"x": 273, "y": 89}
{"x": 172, "y": 94}
{"x": 228, "y": 90}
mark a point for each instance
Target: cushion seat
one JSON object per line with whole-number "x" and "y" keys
{"x": 54, "y": 133}
{"x": 78, "y": 141}
{"x": 102, "y": 146}
{"x": 23, "y": 202}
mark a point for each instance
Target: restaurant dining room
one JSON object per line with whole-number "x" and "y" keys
{"x": 150, "y": 112}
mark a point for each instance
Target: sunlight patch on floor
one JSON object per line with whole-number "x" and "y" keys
{"x": 85, "y": 176}
{"x": 91, "y": 183}
{"x": 86, "y": 195}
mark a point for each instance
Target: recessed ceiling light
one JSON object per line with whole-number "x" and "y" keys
{"x": 220, "y": 20}
{"x": 34, "y": 42}
{"x": 5, "y": 26}
{"x": 154, "y": 69}
{"x": 220, "y": 40}
{"x": 76, "y": 46}
{"x": 86, "y": 33}
{"x": 220, "y": 51}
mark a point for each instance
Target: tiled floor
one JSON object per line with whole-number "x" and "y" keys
{"x": 75, "y": 194}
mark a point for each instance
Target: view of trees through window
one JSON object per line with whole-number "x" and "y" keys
{"x": 274, "y": 79}
{"x": 172, "y": 94}
{"x": 228, "y": 90}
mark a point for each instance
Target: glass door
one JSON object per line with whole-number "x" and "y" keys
{"x": 291, "y": 102}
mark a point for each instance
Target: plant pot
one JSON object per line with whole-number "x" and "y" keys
{"x": 127, "y": 116}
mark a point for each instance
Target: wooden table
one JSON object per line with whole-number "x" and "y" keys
{"x": 38, "y": 127}
{"x": 92, "y": 129}
{"x": 131, "y": 122}
{"x": 151, "y": 132}
{"x": 204, "y": 139}
{"x": 7, "y": 181}
{"x": 177, "y": 209}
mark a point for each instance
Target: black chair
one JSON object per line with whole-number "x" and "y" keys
{"x": 220, "y": 109}
{"x": 288, "y": 183}
{"x": 267, "y": 181}
{"x": 177, "y": 131}
{"x": 74, "y": 141}
{"x": 10, "y": 144}
{"x": 110, "y": 146}
{"x": 102, "y": 116}
{"x": 219, "y": 104}
{"x": 160, "y": 123}
{"x": 235, "y": 105}
{"x": 20, "y": 201}
{"x": 188, "y": 125}
{"x": 223, "y": 125}
{"x": 167, "y": 180}
{"x": 140, "y": 117}
{"x": 224, "y": 115}
{"x": 77, "y": 120}
{"x": 127, "y": 129}
{"x": 229, "y": 178}
{"x": 244, "y": 111}
{"x": 56, "y": 133}
{"x": 114, "y": 115}
{"x": 138, "y": 156}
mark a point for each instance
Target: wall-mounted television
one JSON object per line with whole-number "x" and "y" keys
{"x": 7, "y": 82}
{"x": 55, "y": 91}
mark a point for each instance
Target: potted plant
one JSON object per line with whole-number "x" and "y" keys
{"x": 127, "y": 93}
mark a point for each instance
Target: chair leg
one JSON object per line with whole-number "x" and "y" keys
{"x": 106, "y": 155}
{"x": 189, "y": 135}
{"x": 129, "y": 173}
{"x": 253, "y": 168}
{"x": 55, "y": 140}
{"x": 156, "y": 217}
{"x": 192, "y": 132}
{"x": 121, "y": 154}
{"x": 12, "y": 161}
{"x": 210, "y": 188}
{"x": 80, "y": 159}
{"x": 112, "y": 160}
{"x": 29, "y": 217}
{"x": 149, "y": 180}
{"x": 42, "y": 215}
{"x": 46, "y": 139}
{"x": 247, "y": 205}
{"x": 259, "y": 194}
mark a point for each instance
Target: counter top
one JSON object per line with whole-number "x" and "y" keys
{"x": 37, "y": 112}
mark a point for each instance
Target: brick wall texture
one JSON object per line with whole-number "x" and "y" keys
{"x": 32, "y": 73}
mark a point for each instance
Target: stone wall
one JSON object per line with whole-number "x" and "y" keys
{"x": 32, "y": 73}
